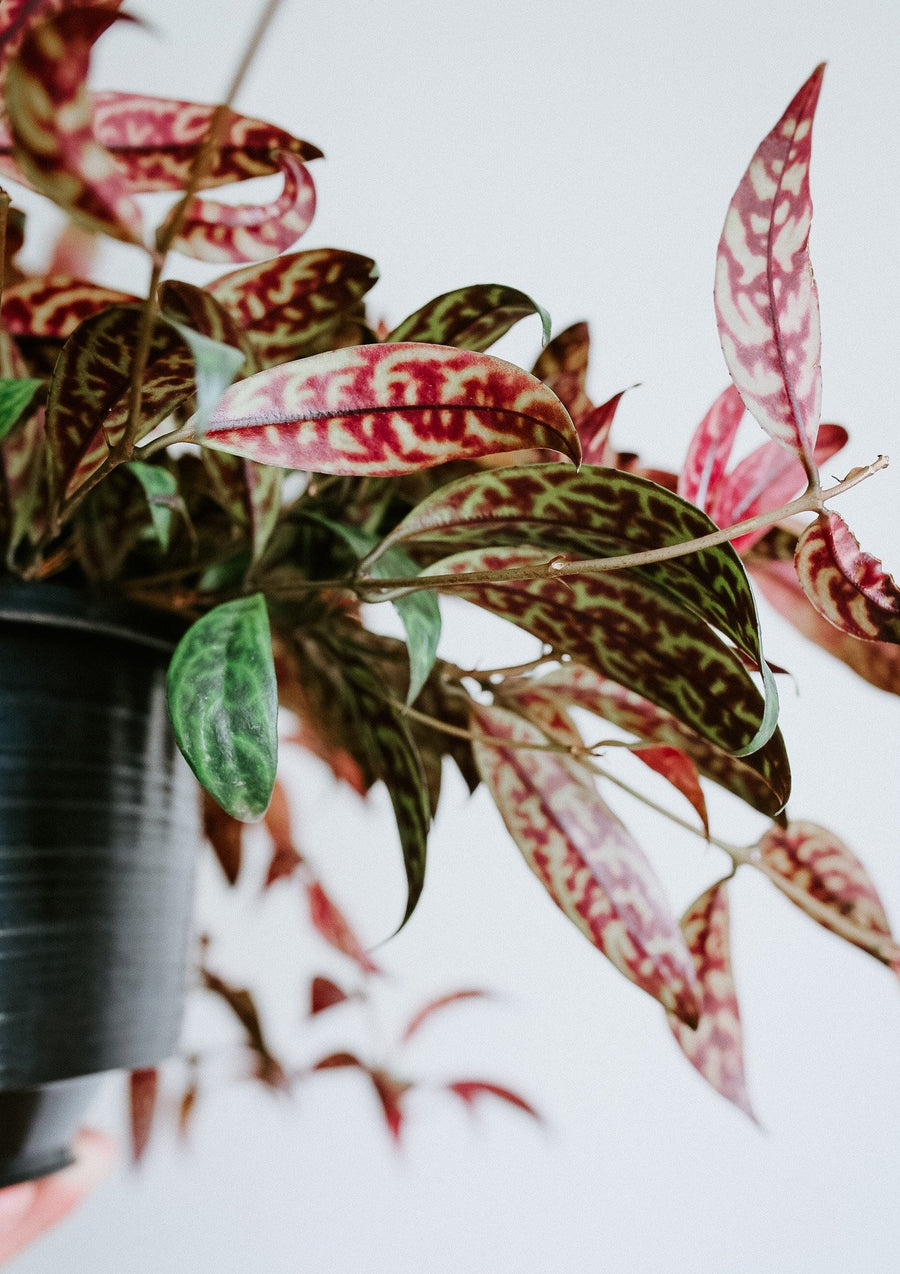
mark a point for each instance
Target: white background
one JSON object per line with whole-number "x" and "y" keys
{"x": 585, "y": 153}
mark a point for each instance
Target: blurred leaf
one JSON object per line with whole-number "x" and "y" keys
{"x": 472, "y": 318}
{"x": 471, "y": 1089}
{"x": 847, "y": 586}
{"x": 243, "y": 1006}
{"x": 286, "y": 858}
{"x": 160, "y": 486}
{"x": 330, "y": 922}
{"x": 584, "y": 857}
{"x": 767, "y": 306}
{"x": 225, "y": 834}
{"x": 593, "y": 430}
{"x": 678, "y": 769}
{"x": 215, "y": 367}
{"x": 143, "y": 1089}
{"x": 325, "y": 994}
{"x": 715, "y": 1047}
{"x": 387, "y": 409}
{"x": 16, "y": 399}
{"x": 563, "y": 367}
{"x": 223, "y": 704}
{"x": 435, "y": 1006}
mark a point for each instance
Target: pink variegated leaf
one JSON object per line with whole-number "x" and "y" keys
{"x": 285, "y": 305}
{"x": 766, "y": 479}
{"x": 53, "y": 305}
{"x": 387, "y": 409}
{"x": 563, "y": 367}
{"x": 678, "y": 769}
{"x": 877, "y": 662}
{"x": 143, "y": 1089}
{"x": 593, "y": 430}
{"x": 51, "y": 121}
{"x": 470, "y": 1090}
{"x": 330, "y": 922}
{"x": 325, "y": 994}
{"x": 767, "y": 306}
{"x": 221, "y": 232}
{"x": 584, "y": 857}
{"x": 435, "y": 1006}
{"x": 761, "y": 779}
{"x": 715, "y": 1047}
{"x": 847, "y": 586}
{"x": 819, "y": 863}
{"x": 18, "y": 16}
{"x": 710, "y": 448}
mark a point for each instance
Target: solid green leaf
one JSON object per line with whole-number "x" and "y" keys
{"x": 215, "y": 367}
{"x": 223, "y": 703}
{"x": 16, "y": 396}
{"x": 161, "y": 489}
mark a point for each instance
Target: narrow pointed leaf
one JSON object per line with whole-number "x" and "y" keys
{"x": 584, "y": 857}
{"x": 215, "y": 367}
{"x": 16, "y": 400}
{"x": 143, "y": 1090}
{"x": 160, "y": 486}
{"x": 223, "y": 704}
{"x": 472, "y": 318}
{"x": 762, "y": 779}
{"x": 53, "y": 305}
{"x": 563, "y": 367}
{"x": 325, "y": 994}
{"x": 470, "y": 1090}
{"x": 710, "y": 448}
{"x": 677, "y": 768}
{"x": 436, "y": 1006}
{"x": 286, "y": 859}
{"x": 603, "y": 621}
{"x": 767, "y": 306}
{"x": 594, "y": 428}
{"x": 878, "y": 662}
{"x": 388, "y": 409}
{"x": 847, "y": 586}
{"x": 592, "y": 513}
{"x": 820, "y": 864}
{"x": 243, "y": 1006}
{"x": 715, "y": 1047}
{"x": 222, "y": 232}
{"x": 330, "y": 922}
{"x": 51, "y": 121}
{"x": 285, "y": 304}
{"x": 225, "y": 834}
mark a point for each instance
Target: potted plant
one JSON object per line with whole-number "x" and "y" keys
{"x": 249, "y": 461}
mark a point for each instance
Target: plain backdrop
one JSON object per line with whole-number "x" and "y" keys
{"x": 586, "y": 153}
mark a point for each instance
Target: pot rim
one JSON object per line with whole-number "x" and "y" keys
{"x": 90, "y": 610}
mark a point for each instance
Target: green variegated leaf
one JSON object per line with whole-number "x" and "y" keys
{"x": 763, "y": 780}
{"x": 471, "y": 318}
{"x": 223, "y": 703}
{"x": 618, "y": 626}
{"x": 161, "y": 489}
{"x": 586, "y": 860}
{"x": 215, "y": 367}
{"x": 16, "y": 398}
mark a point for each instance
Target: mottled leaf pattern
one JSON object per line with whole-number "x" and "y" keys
{"x": 820, "y": 864}
{"x": 761, "y": 779}
{"x": 593, "y": 430}
{"x": 846, "y": 585}
{"x": 603, "y": 621}
{"x": 767, "y": 306}
{"x": 249, "y": 493}
{"x": 472, "y": 318}
{"x": 223, "y": 704}
{"x": 286, "y": 304}
{"x": 715, "y": 1047}
{"x": 221, "y": 232}
{"x": 584, "y": 857}
{"x": 53, "y": 305}
{"x": 51, "y": 120}
{"x": 563, "y": 368}
{"x": 17, "y": 16}
{"x": 710, "y": 448}
{"x": 387, "y": 409}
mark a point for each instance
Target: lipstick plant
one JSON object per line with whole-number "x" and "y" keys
{"x": 256, "y": 456}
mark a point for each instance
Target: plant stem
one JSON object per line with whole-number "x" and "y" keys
{"x": 812, "y": 500}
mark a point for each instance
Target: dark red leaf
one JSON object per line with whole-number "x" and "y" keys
{"x": 471, "y": 1089}
{"x": 435, "y": 1006}
{"x": 225, "y": 834}
{"x": 324, "y": 994}
{"x": 331, "y": 923}
{"x": 143, "y": 1088}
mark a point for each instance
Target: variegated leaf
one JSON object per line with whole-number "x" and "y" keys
{"x": 88, "y": 402}
{"x": 284, "y": 305}
{"x": 51, "y": 121}
{"x": 819, "y": 863}
{"x": 221, "y": 232}
{"x": 592, "y": 513}
{"x": 877, "y": 662}
{"x": 584, "y": 857}
{"x": 53, "y": 305}
{"x": 710, "y": 448}
{"x": 388, "y": 409}
{"x": 109, "y": 524}
{"x": 626, "y": 631}
{"x": 563, "y": 367}
{"x": 472, "y": 318}
{"x": 593, "y": 430}
{"x": 17, "y": 16}
{"x": 846, "y": 585}
{"x": 715, "y": 1046}
{"x": 761, "y": 779}
{"x": 223, "y": 704}
{"x": 766, "y": 479}
{"x": 24, "y": 488}
{"x": 767, "y": 306}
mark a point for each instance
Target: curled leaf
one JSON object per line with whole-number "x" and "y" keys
{"x": 846, "y": 585}
{"x": 470, "y": 1090}
{"x": 471, "y": 318}
{"x": 436, "y": 1006}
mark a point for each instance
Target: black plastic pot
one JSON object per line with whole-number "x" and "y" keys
{"x": 98, "y": 833}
